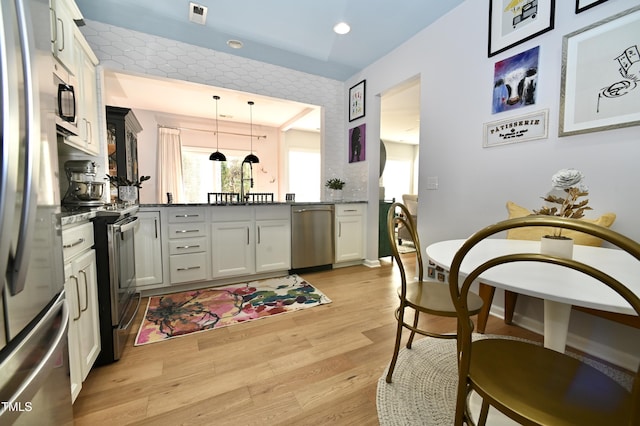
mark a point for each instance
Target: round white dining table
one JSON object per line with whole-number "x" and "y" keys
{"x": 560, "y": 287}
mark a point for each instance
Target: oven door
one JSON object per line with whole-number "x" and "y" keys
{"x": 124, "y": 300}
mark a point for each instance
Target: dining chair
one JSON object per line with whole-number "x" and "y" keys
{"x": 526, "y": 382}
{"x": 417, "y": 294}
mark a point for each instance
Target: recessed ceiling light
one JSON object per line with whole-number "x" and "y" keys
{"x": 341, "y": 28}
{"x": 234, "y": 44}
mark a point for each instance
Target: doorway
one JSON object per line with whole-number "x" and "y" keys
{"x": 400, "y": 135}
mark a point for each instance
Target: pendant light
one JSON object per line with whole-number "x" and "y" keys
{"x": 217, "y": 156}
{"x": 251, "y": 158}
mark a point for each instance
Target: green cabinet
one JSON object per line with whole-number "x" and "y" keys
{"x": 384, "y": 245}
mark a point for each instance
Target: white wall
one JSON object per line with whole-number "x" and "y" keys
{"x": 456, "y": 79}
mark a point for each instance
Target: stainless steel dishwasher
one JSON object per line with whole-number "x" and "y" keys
{"x": 312, "y": 236}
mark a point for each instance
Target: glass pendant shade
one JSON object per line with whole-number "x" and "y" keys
{"x": 251, "y": 158}
{"x": 217, "y": 156}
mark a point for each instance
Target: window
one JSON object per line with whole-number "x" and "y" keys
{"x": 397, "y": 179}
{"x": 304, "y": 174}
{"x": 201, "y": 175}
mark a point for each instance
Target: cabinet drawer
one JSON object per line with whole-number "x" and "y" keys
{"x": 349, "y": 209}
{"x": 188, "y": 245}
{"x": 188, "y": 267}
{"x": 77, "y": 239}
{"x": 182, "y": 230}
{"x": 179, "y": 215}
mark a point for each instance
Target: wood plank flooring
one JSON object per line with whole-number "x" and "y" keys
{"x": 311, "y": 367}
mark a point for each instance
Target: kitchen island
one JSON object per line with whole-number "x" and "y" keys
{"x": 188, "y": 246}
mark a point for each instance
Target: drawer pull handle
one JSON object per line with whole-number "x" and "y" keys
{"x": 188, "y": 247}
{"x": 75, "y": 243}
{"x": 350, "y": 210}
{"x": 188, "y": 268}
{"x": 187, "y": 215}
{"x": 184, "y": 231}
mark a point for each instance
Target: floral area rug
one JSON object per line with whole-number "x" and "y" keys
{"x": 178, "y": 314}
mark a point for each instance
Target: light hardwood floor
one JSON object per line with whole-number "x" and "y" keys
{"x": 316, "y": 366}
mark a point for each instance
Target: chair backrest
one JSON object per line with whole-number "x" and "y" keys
{"x": 459, "y": 286}
{"x": 399, "y": 215}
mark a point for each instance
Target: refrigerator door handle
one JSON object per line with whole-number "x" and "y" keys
{"x": 9, "y": 149}
{"x": 18, "y": 264}
{"x": 32, "y": 383}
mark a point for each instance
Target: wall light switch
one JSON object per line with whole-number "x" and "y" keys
{"x": 432, "y": 182}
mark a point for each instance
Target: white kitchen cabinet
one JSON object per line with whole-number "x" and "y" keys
{"x": 273, "y": 245}
{"x": 63, "y": 16}
{"x": 81, "y": 288}
{"x": 86, "y": 97}
{"x": 188, "y": 247}
{"x": 349, "y": 232}
{"x": 233, "y": 248}
{"x": 148, "y": 244}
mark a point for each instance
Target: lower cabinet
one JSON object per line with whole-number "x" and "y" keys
{"x": 273, "y": 245}
{"x": 232, "y": 249}
{"x": 185, "y": 245}
{"x": 188, "y": 249}
{"x": 349, "y": 232}
{"x": 81, "y": 288}
{"x": 148, "y": 255}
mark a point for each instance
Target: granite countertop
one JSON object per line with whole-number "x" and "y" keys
{"x": 71, "y": 217}
{"x": 275, "y": 203}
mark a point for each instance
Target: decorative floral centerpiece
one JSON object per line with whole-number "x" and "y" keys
{"x": 569, "y": 181}
{"x": 127, "y": 190}
{"x": 335, "y": 183}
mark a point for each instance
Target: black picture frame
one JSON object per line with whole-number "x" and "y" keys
{"x": 357, "y": 100}
{"x": 543, "y": 11}
{"x": 582, "y": 5}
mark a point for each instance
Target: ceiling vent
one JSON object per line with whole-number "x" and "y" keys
{"x": 197, "y": 13}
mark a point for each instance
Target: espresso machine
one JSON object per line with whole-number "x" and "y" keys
{"x": 84, "y": 190}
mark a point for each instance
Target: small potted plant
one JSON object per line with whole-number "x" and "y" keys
{"x": 335, "y": 185}
{"x": 568, "y": 181}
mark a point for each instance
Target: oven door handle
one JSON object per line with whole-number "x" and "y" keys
{"x": 126, "y": 226}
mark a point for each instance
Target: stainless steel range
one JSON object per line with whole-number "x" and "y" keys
{"x": 114, "y": 229}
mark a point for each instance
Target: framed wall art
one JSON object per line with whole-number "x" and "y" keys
{"x": 357, "y": 143}
{"x": 600, "y": 88}
{"x": 515, "y": 80}
{"x": 522, "y": 128}
{"x": 357, "y": 100}
{"x": 512, "y": 22}
{"x": 582, "y": 5}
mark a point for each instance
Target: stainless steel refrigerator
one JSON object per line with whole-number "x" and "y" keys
{"x": 34, "y": 372}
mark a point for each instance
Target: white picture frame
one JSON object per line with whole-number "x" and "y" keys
{"x": 600, "y": 87}
{"x": 521, "y": 128}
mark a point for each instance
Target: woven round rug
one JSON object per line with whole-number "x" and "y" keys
{"x": 423, "y": 390}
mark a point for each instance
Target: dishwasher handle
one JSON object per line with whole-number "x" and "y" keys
{"x": 314, "y": 209}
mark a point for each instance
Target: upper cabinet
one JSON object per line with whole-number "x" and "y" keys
{"x": 64, "y": 13}
{"x": 73, "y": 53}
{"x": 87, "y": 101}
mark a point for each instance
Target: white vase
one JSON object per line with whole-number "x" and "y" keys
{"x": 336, "y": 194}
{"x": 560, "y": 247}
{"x": 128, "y": 194}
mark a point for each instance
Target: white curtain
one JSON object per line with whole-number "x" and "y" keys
{"x": 169, "y": 165}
